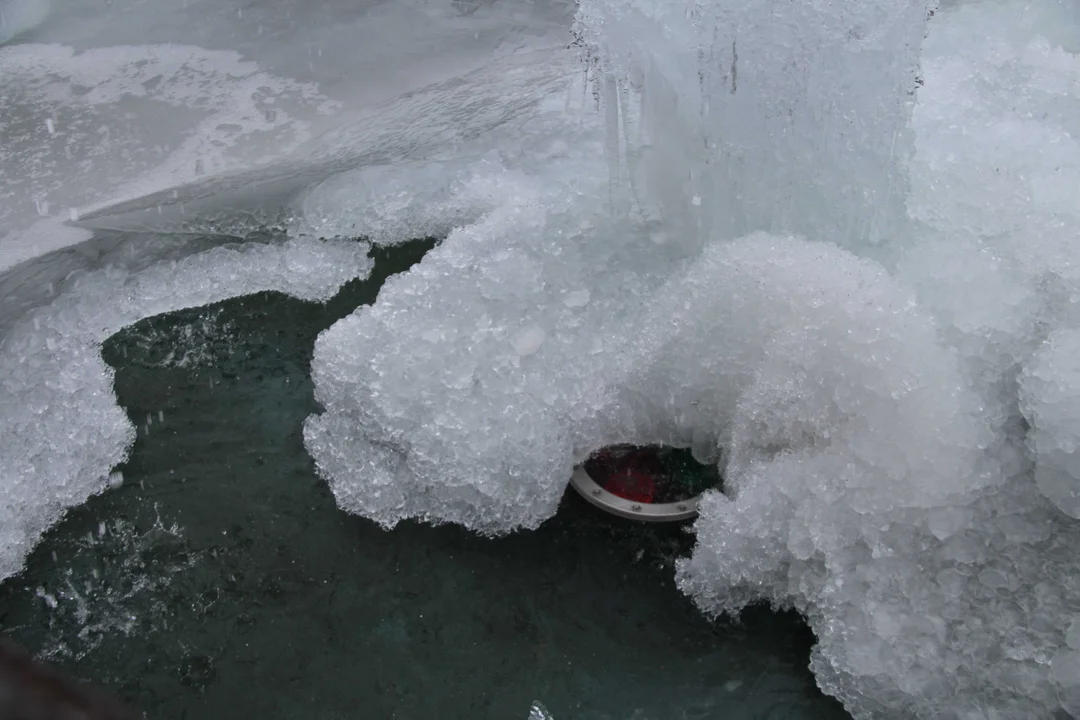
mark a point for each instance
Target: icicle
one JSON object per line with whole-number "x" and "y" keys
{"x": 611, "y": 125}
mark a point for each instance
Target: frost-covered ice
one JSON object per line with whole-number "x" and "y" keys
{"x": 862, "y": 301}
{"x": 63, "y": 431}
{"x": 891, "y": 395}
{"x": 389, "y": 203}
{"x": 494, "y": 377}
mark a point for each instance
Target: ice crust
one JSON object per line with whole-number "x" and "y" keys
{"x": 62, "y": 430}
{"x": 865, "y": 310}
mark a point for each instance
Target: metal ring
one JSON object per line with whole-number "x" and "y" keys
{"x": 632, "y": 509}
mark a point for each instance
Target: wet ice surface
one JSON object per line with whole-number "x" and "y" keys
{"x": 222, "y": 568}
{"x": 110, "y": 101}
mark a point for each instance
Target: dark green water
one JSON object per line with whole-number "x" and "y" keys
{"x": 222, "y": 582}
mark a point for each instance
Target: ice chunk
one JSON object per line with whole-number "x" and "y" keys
{"x": 749, "y": 116}
{"x": 529, "y": 340}
{"x": 539, "y": 712}
{"x": 786, "y": 350}
{"x": 576, "y": 298}
{"x": 905, "y": 601}
{"x": 428, "y": 390}
{"x": 1050, "y": 398}
{"x": 62, "y": 431}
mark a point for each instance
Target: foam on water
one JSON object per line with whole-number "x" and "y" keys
{"x": 62, "y": 430}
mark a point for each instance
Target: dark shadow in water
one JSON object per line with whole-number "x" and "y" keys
{"x": 222, "y": 582}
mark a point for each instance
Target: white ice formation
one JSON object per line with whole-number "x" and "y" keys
{"x": 63, "y": 431}
{"x": 859, "y": 299}
{"x": 837, "y": 259}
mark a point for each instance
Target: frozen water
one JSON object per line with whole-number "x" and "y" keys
{"x": 1049, "y": 388}
{"x": 79, "y": 127}
{"x": 742, "y": 116}
{"x": 749, "y": 232}
{"x": 18, "y": 16}
{"x": 433, "y": 128}
{"x": 114, "y": 101}
{"x": 62, "y": 431}
{"x": 889, "y": 395}
{"x": 539, "y": 712}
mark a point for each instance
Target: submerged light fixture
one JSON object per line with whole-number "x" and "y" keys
{"x": 654, "y": 483}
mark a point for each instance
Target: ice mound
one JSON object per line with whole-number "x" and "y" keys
{"x": 62, "y": 431}
{"x": 800, "y": 359}
{"x": 495, "y": 334}
{"x": 890, "y": 399}
{"x": 963, "y": 607}
{"x": 448, "y": 399}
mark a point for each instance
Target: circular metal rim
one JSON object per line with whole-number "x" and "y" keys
{"x": 648, "y": 512}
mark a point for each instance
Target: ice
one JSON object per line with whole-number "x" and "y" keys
{"x": 80, "y": 127}
{"x": 19, "y": 16}
{"x": 488, "y": 391}
{"x": 865, "y": 310}
{"x": 495, "y": 358}
{"x": 1050, "y": 399}
{"x": 538, "y": 712}
{"x": 390, "y": 203}
{"x": 430, "y": 133}
{"x": 743, "y": 116}
{"x": 758, "y": 230}
{"x": 147, "y": 96}
{"x": 62, "y": 431}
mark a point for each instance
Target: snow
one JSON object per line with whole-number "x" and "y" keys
{"x": 833, "y": 257}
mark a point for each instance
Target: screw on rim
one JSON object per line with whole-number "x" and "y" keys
{"x": 612, "y": 503}
{"x": 651, "y": 483}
